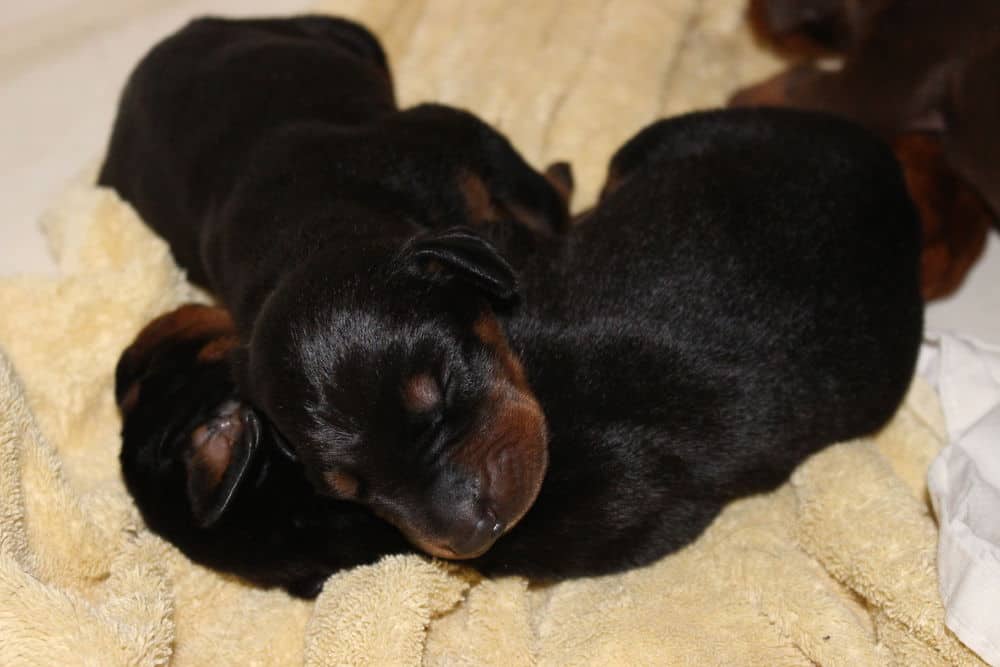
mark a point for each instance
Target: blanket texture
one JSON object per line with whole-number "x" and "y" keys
{"x": 836, "y": 567}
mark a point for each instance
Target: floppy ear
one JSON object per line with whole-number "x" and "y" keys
{"x": 217, "y": 458}
{"x": 462, "y": 255}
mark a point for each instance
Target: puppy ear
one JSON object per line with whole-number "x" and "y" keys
{"x": 955, "y": 219}
{"x": 560, "y": 176}
{"x": 217, "y": 458}
{"x": 462, "y": 255}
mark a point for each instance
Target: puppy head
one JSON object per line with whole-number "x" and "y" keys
{"x": 396, "y": 388}
{"x": 187, "y": 442}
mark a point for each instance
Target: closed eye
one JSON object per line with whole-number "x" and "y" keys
{"x": 429, "y": 427}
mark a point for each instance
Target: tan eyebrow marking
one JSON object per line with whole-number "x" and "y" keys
{"x": 421, "y": 393}
{"x": 343, "y": 483}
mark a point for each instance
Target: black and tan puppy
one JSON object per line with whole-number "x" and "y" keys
{"x": 213, "y": 479}
{"x": 272, "y": 157}
{"x": 923, "y": 75}
{"x": 745, "y": 293}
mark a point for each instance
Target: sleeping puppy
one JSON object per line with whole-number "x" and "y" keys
{"x": 745, "y": 293}
{"x": 920, "y": 73}
{"x": 192, "y": 451}
{"x": 270, "y": 154}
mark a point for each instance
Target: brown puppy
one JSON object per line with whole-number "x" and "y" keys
{"x": 920, "y": 73}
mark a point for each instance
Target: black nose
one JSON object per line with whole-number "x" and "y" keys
{"x": 486, "y": 531}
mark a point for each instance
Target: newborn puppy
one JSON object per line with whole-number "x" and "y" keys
{"x": 920, "y": 73}
{"x": 744, "y": 294}
{"x": 213, "y": 479}
{"x": 270, "y": 154}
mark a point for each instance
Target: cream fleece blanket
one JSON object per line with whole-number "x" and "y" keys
{"x": 834, "y": 568}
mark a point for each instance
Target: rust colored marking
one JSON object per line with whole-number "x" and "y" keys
{"x": 131, "y": 397}
{"x": 482, "y": 208}
{"x": 478, "y": 202}
{"x": 560, "y": 176}
{"x": 421, "y": 393}
{"x": 216, "y": 349}
{"x": 344, "y": 484}
{"x": 185, "y": 323}
{"x": 509, "y": 448}
{"x": 487, "y": 330}
{"x": 954, "y": 218}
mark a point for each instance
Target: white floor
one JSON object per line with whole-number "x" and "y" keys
{"x": 62, "y": 63}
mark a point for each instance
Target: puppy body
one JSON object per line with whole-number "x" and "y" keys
{"x": 271, "y": 156}
{"x": 744, "y": 294}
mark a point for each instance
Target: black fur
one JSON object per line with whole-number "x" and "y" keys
{"x": 272, "y": 157}
{"x": 745, "y": 293}
{"x": 276, "y": 530}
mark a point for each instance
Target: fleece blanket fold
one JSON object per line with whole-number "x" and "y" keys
{"x": 836, "y": 567}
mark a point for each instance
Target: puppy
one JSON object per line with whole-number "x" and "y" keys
{"x": 339, "y": 232}
{"x": 192, "y": 451}
{"x": 745, "y": 293}
{"x": 923, "y": 76}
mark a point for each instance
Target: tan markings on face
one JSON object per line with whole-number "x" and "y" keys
{"x": 487, "y": 329}
{"x": 515, "y": 421}
{"x": 510, "y": 446}
{"x": 478, "y": 202}
{"x": 216, "y": 349}
{"x": 131, "y": 397}
{"x": 344, "y": 484}
{"x": 421, "y": 393}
